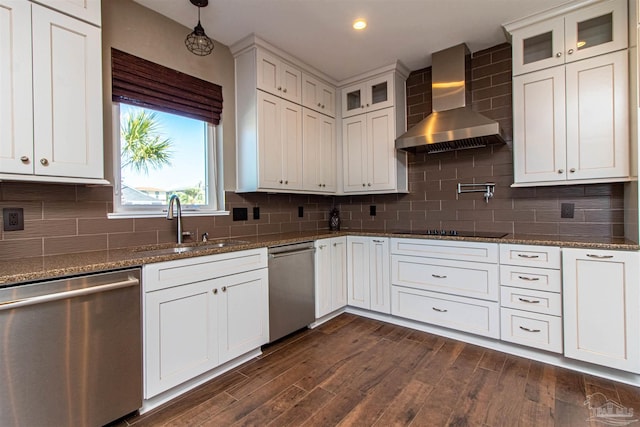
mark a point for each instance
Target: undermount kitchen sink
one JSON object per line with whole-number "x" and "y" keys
{"x": 179, "y": 249}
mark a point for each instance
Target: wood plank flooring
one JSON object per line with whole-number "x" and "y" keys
{"x": 354, "y": 371}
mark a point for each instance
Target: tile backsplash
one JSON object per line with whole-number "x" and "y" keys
{"x": 72, "y": 218}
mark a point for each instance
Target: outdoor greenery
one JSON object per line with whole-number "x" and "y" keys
{"x": 142, "y": 143}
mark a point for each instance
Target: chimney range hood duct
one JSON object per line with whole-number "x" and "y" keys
{"x": 453, "y": 125}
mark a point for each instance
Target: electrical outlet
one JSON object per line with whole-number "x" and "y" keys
{"x": 256, "y": 212}
{"x": 13, "y": 219}
{"x": 566, "y": 210}
{"x": 372, "y": 210}
{"x": 300, "y": 212}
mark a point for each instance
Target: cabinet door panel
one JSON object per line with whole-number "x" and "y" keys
{"x": 338, "y": 272}
{"x": 181, "y": 332}
{"x": 16, "y": 116}
{"x": 267, "y": 72}
{"x": 597, "y": 123}
{"x": 67, "y": 82}
{"x": 327, "y": 154}
{"x": 380, "y": 281}
{"x": 382, "y": 153}
{"x": 595, "y": 30}
{"x": 243, "y": 310}
{"x": 538, "y": 46}
{"x": 269, "y": 140}
{"x": 291, "y": 135}
{"x": 311, "y": 142}
{"x": 358, "y": 279}
{"x": 539, "y": 137}
{"x": 323, "y": 276}
{"x": 601, "y": 300}
{"x": 291, "y": 80}
{"x": 87, "y": 10}
{"x": 354, "y": 134}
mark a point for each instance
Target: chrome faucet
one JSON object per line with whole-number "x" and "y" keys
{"x": 176, "y": 199}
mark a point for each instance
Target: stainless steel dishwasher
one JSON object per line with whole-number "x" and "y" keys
{"x": 291, "y": 288}
{"x": 71, "y": 350}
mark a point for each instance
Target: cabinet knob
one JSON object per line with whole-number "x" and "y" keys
{"x": 286, "y": 182}
{"x": 572, "y": 170}
{"x": 362, "y": 106}
{"x": 24, "y": 159}
{"x": 44, "y": 162}
{"x": 570, "y": 51}
{"x": 215, "y": 291}
{"x": 367, "y": 105}
{"x": 369, "y": 184}
{"x": 224, "y": 289}
{"x": 560, "y": 170}
{"x": 279, "y": 87}
{"x": 559, "y": 54}
{"x": 324, "y": 185}
{"x": 284, "y": 90}
{"x": 280, "y": 181}
{"x": 319, "y": 105}
{"x": 322, "y": 105}
{"x": 364, "y": 185}
{"x": 335, "y": 244}
{"x": 319, "y": 185}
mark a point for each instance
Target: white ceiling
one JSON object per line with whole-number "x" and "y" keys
{"x": 319, "y": 32}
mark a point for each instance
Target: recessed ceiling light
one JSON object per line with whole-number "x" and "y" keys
{"x": 359, "y": 24}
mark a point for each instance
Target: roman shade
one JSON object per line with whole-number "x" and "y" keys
{"x": 137, "y": 81}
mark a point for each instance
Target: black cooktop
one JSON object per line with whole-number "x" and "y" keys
{"x": 460, "y": 233}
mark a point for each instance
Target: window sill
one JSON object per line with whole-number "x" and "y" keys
{"x": 142, "y": 214}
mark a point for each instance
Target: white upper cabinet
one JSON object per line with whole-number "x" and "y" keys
{"x": 278, "y": 77}
{"x": 370, "y": 95}
{"x": 58, "y": 138}
{"x": 571, "y": 123}
{"x": 318, "y": 96}
{"x": 579, "y": 34}
{"x": 16, "y": 116}
{"x": 86, "y": 10}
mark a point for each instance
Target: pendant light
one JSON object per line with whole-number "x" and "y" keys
{"x": 197, "y": 41}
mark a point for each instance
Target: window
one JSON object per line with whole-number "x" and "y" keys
{"x": 166, "y": 124}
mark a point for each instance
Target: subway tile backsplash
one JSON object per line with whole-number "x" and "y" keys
{"x": 69, "y": 218}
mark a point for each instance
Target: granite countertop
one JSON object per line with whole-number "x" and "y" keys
{"x": 54, "y": 266}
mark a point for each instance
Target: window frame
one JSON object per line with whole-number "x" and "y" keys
{"x": 214, "y": 185}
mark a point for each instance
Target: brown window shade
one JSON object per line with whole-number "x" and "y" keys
{"x": 140, "y": 82}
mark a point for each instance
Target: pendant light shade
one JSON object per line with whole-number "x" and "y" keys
{"x": 197, "y": 41}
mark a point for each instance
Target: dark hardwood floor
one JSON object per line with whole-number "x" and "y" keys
{"x": 354, "y": 371}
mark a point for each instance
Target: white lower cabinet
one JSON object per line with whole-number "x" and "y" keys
{"x": 446, "y": 283}
{"x": 200, "y": 313}
{"x": 530, "y": 298}
{"x": 331, "y": 275}
{"x": 368, "y": 280}
{"x": 602, "y": 307}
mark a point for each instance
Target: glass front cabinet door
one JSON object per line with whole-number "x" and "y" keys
{"x": 581, "y": 34}
{"x": 370, "y": 95}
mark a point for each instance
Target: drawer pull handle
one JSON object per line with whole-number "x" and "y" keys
{"x": 600, "y": 256}
{"x": 529, "y": 330}
{"x": 378, "y": 241}
{"x": 531, "y": 279}
{"x": 528, "y": 256}
{"x": 438, "y": 276}
{"x": 439, "y": 310}
{"x": 530, "y": 301}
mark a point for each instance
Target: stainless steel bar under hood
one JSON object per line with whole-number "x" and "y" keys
{"x": 453, "y": 125}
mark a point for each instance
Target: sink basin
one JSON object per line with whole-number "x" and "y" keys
{"x": 213, "y": 244}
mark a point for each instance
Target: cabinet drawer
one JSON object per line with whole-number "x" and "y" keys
{"x": 532, "y": 329}
{"x": 171, "y": 273}
{"x": 446, "y": 249}
{"x": 528, "y": 300}
{"x": 542, "y": 279}
{"x": 464, "y": 314}
{"x": 530, "y": 255}
{"x": 471, "y": 279}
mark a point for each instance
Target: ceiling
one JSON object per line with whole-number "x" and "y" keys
{"x": 319, "y": 32}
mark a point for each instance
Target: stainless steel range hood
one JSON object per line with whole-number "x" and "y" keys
{"x": 453, "y": 125}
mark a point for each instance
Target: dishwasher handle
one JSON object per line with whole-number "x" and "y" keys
{"x": 9, "y": 305}
{"x": 291, "y": 252}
